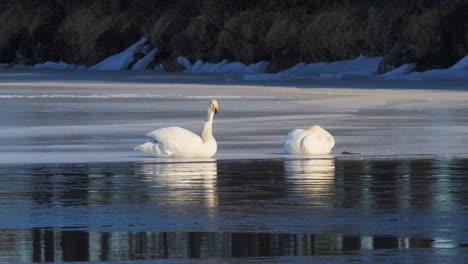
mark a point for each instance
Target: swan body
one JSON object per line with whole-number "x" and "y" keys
{"x": 310, "y": 141}
{"x": 181, "y": 143}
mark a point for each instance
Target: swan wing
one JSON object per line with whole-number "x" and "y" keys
{"x": 175, "y": 140}
{"x": 292, "y": 143}
{"x": 317, "y": 141}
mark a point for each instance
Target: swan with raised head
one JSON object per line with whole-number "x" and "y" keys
{"x": 176, "y": 142}
{"x": 311, "y": 141}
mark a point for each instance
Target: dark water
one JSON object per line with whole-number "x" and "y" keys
{"x": 272, "y": 211}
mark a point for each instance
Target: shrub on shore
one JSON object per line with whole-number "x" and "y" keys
{"x": 85, "y": 31}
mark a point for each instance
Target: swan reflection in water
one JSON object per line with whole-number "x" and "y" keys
{"x": 312, "y": 180}
{"x": 186, "y": 183}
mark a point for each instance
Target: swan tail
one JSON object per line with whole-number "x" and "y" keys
{"x": 146, "y": 147}
{"x": 154, "y": 149}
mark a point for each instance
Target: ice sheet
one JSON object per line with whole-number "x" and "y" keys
{"x": 53, "y": 116}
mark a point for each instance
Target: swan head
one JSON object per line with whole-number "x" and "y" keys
{"x": 314, "y": 127}
{"x": 214, "y": 105}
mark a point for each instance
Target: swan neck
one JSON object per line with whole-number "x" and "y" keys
{"x": 207, "y": 133}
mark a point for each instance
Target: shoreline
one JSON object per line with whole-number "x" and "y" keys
{"x": 27, "y": 77}
{"x": 283, "y": 157}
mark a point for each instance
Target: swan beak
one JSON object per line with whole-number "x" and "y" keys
{"x": 214, "y": 108}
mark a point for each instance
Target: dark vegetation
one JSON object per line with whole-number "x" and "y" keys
{"x": 434, "y": 34}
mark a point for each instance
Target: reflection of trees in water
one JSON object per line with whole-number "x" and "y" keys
{"x": 349, "y": 176}
{"x": 312, "y": 180}
{"x": 369, "y": 184}
{"x": 420, "y": 180}
{"x": 119, "y": 246}
{"x": 384, "y": 183}
{"x": 241, "y": 181}
{"x": 400, "y": 184}
{"x": 458, "y": 181}
{"x": 60, "y": 186}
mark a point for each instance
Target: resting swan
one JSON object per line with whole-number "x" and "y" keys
{"x": 180, "y": 143}
{"x": 310, "y": 141}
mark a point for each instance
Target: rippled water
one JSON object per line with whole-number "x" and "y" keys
{"x": 264, "y": 211}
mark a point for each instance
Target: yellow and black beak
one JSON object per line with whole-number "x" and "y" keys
{"x": 214, "y": 108}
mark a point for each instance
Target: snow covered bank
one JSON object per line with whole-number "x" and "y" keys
{"x": 143, "y": 63}
{"x": 360, "y": 68}
{"x": 123, "y": 60}
{"x": 356, "y": 69}
{"x": 49, "y": 65}
{"x": 459, "y": 71}
{"x": 222, "y": 67}
{"x": 461, "y": 65}
{"x": 119, "y": 61}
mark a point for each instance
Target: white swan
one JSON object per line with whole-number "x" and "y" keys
{"x": 310, "y": 141}
{"x": 180, "y": 143}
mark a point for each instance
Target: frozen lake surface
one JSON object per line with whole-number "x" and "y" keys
{"x": 74, "y": 190}
{"x": 100, "y": 117}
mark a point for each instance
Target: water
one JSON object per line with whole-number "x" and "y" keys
{"x": 261, "y": 211}
{"x": 73, "y": 190}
